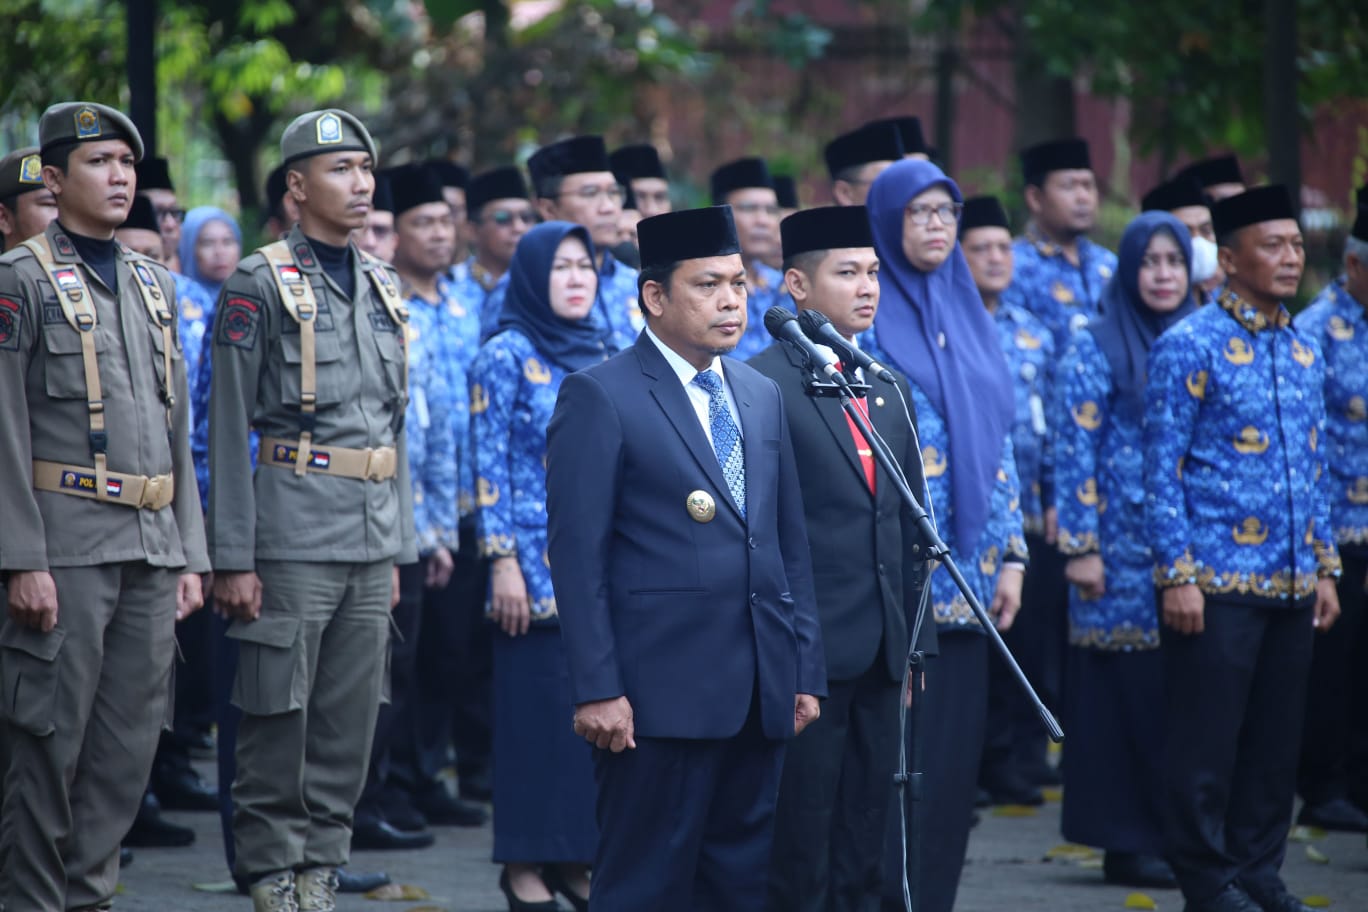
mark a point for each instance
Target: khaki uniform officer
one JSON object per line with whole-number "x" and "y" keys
{"x": 102, "y": 537}
{"x": 309, "y": 350}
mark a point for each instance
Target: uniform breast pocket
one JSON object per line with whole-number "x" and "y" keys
{"x": 328, "y": 369}
{"x": 391, "y": 347}
{"x": 63, "y": 365}
{"x": 159, "y": 340}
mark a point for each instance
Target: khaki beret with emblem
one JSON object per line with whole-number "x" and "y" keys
{"x": 85, "y": 121}
{"x": 20, "y": 172}
{"x": 329, "y": 130}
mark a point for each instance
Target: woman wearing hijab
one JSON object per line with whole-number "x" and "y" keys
{"x": 1115, "y": 682}
{"x": 209, "y": 250}
{"x": 544, "y": 831}
{"x": 933, "y": 326}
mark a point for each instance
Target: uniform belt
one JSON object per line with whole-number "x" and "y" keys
{"x": 372, "y": 463}
{"x": 137, "y": 491}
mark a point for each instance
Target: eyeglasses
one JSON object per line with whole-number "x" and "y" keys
{"x": 592, "y": 194}
{"x": 505, "y": 217}
{"x": 164, "y": 214}
{"x": 948, "y": 213}
{"x": 769, "y": 209}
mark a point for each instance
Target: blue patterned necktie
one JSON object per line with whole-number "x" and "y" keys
{"x": 726, "y": 437}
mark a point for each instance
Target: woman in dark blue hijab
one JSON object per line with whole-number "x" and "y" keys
{"x": 544, "y": 833}
{"x": 1114, "y": 680}
{"x": 931, "y": 324}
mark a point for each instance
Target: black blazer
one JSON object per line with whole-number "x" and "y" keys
{"x": 687, "y": 619}
{"x": 868, "y": 557}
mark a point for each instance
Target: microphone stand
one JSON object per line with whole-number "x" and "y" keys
{"x": 910, "y": 784}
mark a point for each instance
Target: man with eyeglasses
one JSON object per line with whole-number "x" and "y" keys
{"x": 154, "y": 182}
{"x": 640, "y": 168}
{"x": 854, "y": 159}
{"x": 1060, "y": 274}
{"x": 748, "y": 187}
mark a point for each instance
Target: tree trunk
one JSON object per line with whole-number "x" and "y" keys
{"x": 947, "y": 64}
{"x": 1044, "y": 102}
{"x": 1282, "y": 117}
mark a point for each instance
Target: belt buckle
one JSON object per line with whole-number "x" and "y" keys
{"x": 380, "y": 463}
{"x": 155, "y": 494}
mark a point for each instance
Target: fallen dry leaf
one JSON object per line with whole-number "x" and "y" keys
{"x": 1140, "y": 901}
{"x": 398, "y": 893}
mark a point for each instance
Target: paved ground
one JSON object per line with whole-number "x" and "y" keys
{"x": 1008, "y": 869}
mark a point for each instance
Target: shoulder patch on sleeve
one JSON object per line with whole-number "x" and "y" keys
{"x": 239, "y": 320}
{"x": 11, "y": 322}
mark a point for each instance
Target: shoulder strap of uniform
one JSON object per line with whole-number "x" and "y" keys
{"x": 79, "y": 310}
{"x": 394, "y": 303}
{"x": 297, "y": 297}
{"x": 154, "y": 301}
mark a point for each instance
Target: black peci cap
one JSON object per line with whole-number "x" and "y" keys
{"x": 688, "y": 234}
{"x": 413, "y": 185}
{"x": 1058, "y": 155}
{"x": 826, "y": 228}
{"x": 449, "y": 174}
{"x": 983, "y": 212}
{"x": 742, "y": 174}
{"x": 154, "y": 173}
{"x": 1180, "y": 192}
{"x": 1220, "y": 169}
{"x": 577, "y": 155}
{"x": 873, "y": 142}
{"x": 497, "y": 183}
{"x": 1259, "y": 204}
{"x": 381, "y": 198}
{"x": 786, "y": 192}
{"x": 636, "y": 161}
{"x": 142, "y": 215}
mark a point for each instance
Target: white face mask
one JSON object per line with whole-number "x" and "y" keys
{"x": 1203, "y": 260}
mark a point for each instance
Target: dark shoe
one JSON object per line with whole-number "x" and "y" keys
{"x": 201, "y": 743}
{"x": 474, "y": 785}
{"x": 519, "y": 905}
{"x": 349, "y": 881}
{"x": 1133, "y": 870}
{"x": 1231, "y": 899}
{"x": 1277, "y": 900}
{"x": 556, "y": 883}
{"x": 1337, "y": 814}
{"x": 125, "y": 856}
{"x": 1013, "y": 790}
{"x": 440, "y": 809}
{"x": 151, "y": 830}
{"x": 184, "y": 790}
{"x": 382, "y": 836}
{"x": 397, "y": 808}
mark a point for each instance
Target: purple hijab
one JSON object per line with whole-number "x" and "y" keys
{"x": 966, "y": 379}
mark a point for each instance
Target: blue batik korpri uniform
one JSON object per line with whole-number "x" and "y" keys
{"x": 1337, "y": 322}
{"x": 1062, "y": 295}
{"x": 473, "y": 286}
{"x": 1030, "y": 352}
{"x": 514, "y": 383}
{"x": 430, "y": 435}
{"x": 764, "y": 289}
{"x": 1238, "y": 500}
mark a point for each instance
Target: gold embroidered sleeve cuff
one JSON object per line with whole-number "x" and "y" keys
{"x": 1182, "y": 572}
{"x": 498, "y": 546}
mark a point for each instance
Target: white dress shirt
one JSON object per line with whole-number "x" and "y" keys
{"x": 698, "y": 396}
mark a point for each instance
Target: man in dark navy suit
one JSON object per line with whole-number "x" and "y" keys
{"x": 867, "y": 554}
{"x": 682, "y": 576}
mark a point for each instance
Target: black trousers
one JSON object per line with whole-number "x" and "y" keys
{"x": 1335, "y": 697}
{"x": 1016, "y": 741}
{"x": 1235, "y": 695}
{"x": 403, "y": 685}
{"x": 953, "y": 716}
{"x": 834, "y": 798}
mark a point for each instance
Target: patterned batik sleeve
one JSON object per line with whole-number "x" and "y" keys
{"x": 1176, "y": 386}
{"x": 495, "y": 378}
{"x": 1050, "y": 377}
{"x": 1007, "y": 502}
{"x": 1327, "y": 553}
{"x": 1084, "y": 381}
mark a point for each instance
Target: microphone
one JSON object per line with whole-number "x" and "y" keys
{"x": 783, "y": 325}
{"x": 818, "y": 328}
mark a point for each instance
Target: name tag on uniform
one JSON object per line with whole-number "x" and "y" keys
{"x": 288, "y": 455}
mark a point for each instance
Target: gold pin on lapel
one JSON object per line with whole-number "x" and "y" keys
{"x": 701, "y": 506}
{"x": 878, "y": 400}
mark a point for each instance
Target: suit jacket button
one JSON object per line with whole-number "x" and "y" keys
{"x": 755, "y": 599}
{"x": 881, "y": 569}
{"x": 751, "y": 542}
